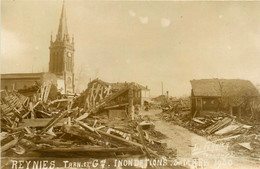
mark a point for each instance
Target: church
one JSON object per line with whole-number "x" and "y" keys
{"x": 61, "y": 64}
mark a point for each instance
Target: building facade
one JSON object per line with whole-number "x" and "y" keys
{"x": 19, "y": 81}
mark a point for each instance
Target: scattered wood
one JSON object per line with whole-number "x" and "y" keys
{"x": 198, "y": 121}
{"x": 227, "y": 129}
{"x": 116, "y": 106}
{"x": 246, "y": 145}
{"x": 38, "y": 119}
{"x": 54, "y": 121}
{"x": 141, "y": 135}
{"x": 9, "y": 145}
{"x": 40, "y": 122}
{"x": 85, "y": 115}
{"x": 218, "y": 125}
{"x": 95, "y": 149}
{"x": 227, "y": 138}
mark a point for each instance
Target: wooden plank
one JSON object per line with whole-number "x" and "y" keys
{"x": 83, "y": 116}
{"x": 81, "y": 133}
{"x": 58, "y": 101}
{"x": 31, "y": 110}
{"x": 119, "y": 139}
{"x": 115, "y": 106}
{"x": 53, "y": 121}
{"x": 198, "y": 121}
{"x": 141, "y": 136}
{"x": 9, "y": 145}
{"x": 90, "y": 149}
{"x": 227, "y": 130}
{"x": 39, "y": 122}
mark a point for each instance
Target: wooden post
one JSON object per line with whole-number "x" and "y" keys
{"x": 196, "y": 102}
{"x": 201, "y": 103}
{"x": 32, "y": 111}
{"x": 239, "y": 111}
{"x": 131, "y": 102}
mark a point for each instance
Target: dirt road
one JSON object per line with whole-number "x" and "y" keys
{"x": 196, "y": 151}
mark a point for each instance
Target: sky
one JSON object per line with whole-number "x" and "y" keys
{"x": 148, "y": 42}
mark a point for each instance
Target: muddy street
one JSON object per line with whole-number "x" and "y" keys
{"x": 201, "y": 152}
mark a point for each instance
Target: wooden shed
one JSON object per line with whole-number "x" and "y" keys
{"x": 228, "y": 95}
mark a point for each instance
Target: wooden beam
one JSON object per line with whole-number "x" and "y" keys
{"x": 40, "y": 122}
{"x": 90, "y": 149}
{"x": 141, "y": 136}
{"x": 9, "y": 145}
{"x": 115, "y": 106}
{"x": 54, "y": 121}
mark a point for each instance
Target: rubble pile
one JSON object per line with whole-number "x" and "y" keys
{"x": 102, "y": 95}
{"x": 176, "y": 105}
{"x": 243, "y": 139}
{"x": 58, "y": 127}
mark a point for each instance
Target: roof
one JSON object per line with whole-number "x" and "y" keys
{"x": 223, "y": 88}
{"x": 119, "y": 85}
{"x": 22, "y": 75}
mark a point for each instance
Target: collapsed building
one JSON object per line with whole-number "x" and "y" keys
{"x": 233, "y": 96}
{"x": 76, "y": 126}
{"x": 115, "y": 99}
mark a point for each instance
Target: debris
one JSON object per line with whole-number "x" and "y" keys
{"x": 227, "y": 129}
{"x": 39, "y": 122}
{"x": 227, "y": 138}
{"x": 198, "y": 121}
{"x": 46, "y": 125}
{"x": 54, "y": 121}
{"x": 9, "y": 145}
{"x": 246, "y": 145}
{"x": 218, "y": 125}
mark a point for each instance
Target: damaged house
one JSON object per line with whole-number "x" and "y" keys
{"x": 116, "y": 99}
{"x": 229, "y": 95}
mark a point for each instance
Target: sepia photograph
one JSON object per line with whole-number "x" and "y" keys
{"x": 126, "y": 84}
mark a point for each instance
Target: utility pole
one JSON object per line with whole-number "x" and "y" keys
{"x": 131, "y": 102}
{"x": 162, "y": 88}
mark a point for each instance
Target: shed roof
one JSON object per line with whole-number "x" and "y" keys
{"x": 223, "y": 88}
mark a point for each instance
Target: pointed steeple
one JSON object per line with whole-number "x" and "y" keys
{"x": 63, "y": 29}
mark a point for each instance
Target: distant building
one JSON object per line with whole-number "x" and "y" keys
{"x": 61, "y": 64}
{"x": 221, "y": 95}
{"x": 140, "y": 94}
{"x": 18, "y": 81}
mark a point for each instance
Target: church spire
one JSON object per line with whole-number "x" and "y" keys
{"x": 63, "y": 29}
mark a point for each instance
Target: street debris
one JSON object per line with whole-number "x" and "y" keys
{"x": 243, "y": 139}
{"x": 79, "y": 125}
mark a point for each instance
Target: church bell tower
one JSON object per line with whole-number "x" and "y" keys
{"x": 62, "y": 54}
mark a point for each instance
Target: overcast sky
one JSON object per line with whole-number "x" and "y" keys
{"x": 145, "y": 42}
